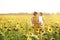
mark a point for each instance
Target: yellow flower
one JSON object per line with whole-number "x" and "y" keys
{"x": 29, "y": 38}
{"x": 49, "y": 29}
{"x": 17, "y": 25}
{"x": 52, "y": 39}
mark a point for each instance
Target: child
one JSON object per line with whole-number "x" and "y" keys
{"x": 41, "y": 20}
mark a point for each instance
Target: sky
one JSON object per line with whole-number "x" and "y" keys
{"x": 15, "y": 6}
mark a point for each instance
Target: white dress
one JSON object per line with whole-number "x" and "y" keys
{"x": 41, "y": 19}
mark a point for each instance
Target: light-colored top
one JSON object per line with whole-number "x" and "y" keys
{"x": 41, "y": 19}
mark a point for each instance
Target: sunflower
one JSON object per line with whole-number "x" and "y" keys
{"x": 30, "y": 32}
{"x": 52, "y": 39}
{"x": 55, "y": 32}
{"x": 5, "y": 27}
{"x": 29, "y": 38}
{"x": 49, "y": 29}
{"x": 9, "y": 29}
{"x": 15, "y": 29}
{"x": 1, "y": 33}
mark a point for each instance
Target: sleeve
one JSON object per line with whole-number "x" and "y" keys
{"x": 31, "y": 21}
{"x": 39, "y": 19}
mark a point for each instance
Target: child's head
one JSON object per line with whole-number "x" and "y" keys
{"x": 35, "y": 13}
{"x": 41, "y": 13}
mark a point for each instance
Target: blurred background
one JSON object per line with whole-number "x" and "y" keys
{"x": 18, "y": 6}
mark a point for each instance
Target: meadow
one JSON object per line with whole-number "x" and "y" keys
{"x": 18, "y": 27}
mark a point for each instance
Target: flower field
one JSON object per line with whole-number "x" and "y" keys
{"x": 18, "y": 27}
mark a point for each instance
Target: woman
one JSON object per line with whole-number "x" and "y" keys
{"x": 35, "y": 22}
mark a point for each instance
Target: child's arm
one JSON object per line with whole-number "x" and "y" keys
{"x": 39, "y": 21}
{"x": 31, "y": 21}
{"x": 43, "y": 21}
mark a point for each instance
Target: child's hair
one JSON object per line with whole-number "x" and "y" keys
{"x": 35, "y": 13}
{"x": 41, "y": 13}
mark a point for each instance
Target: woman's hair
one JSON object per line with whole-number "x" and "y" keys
{"x": 35, "y": 13}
